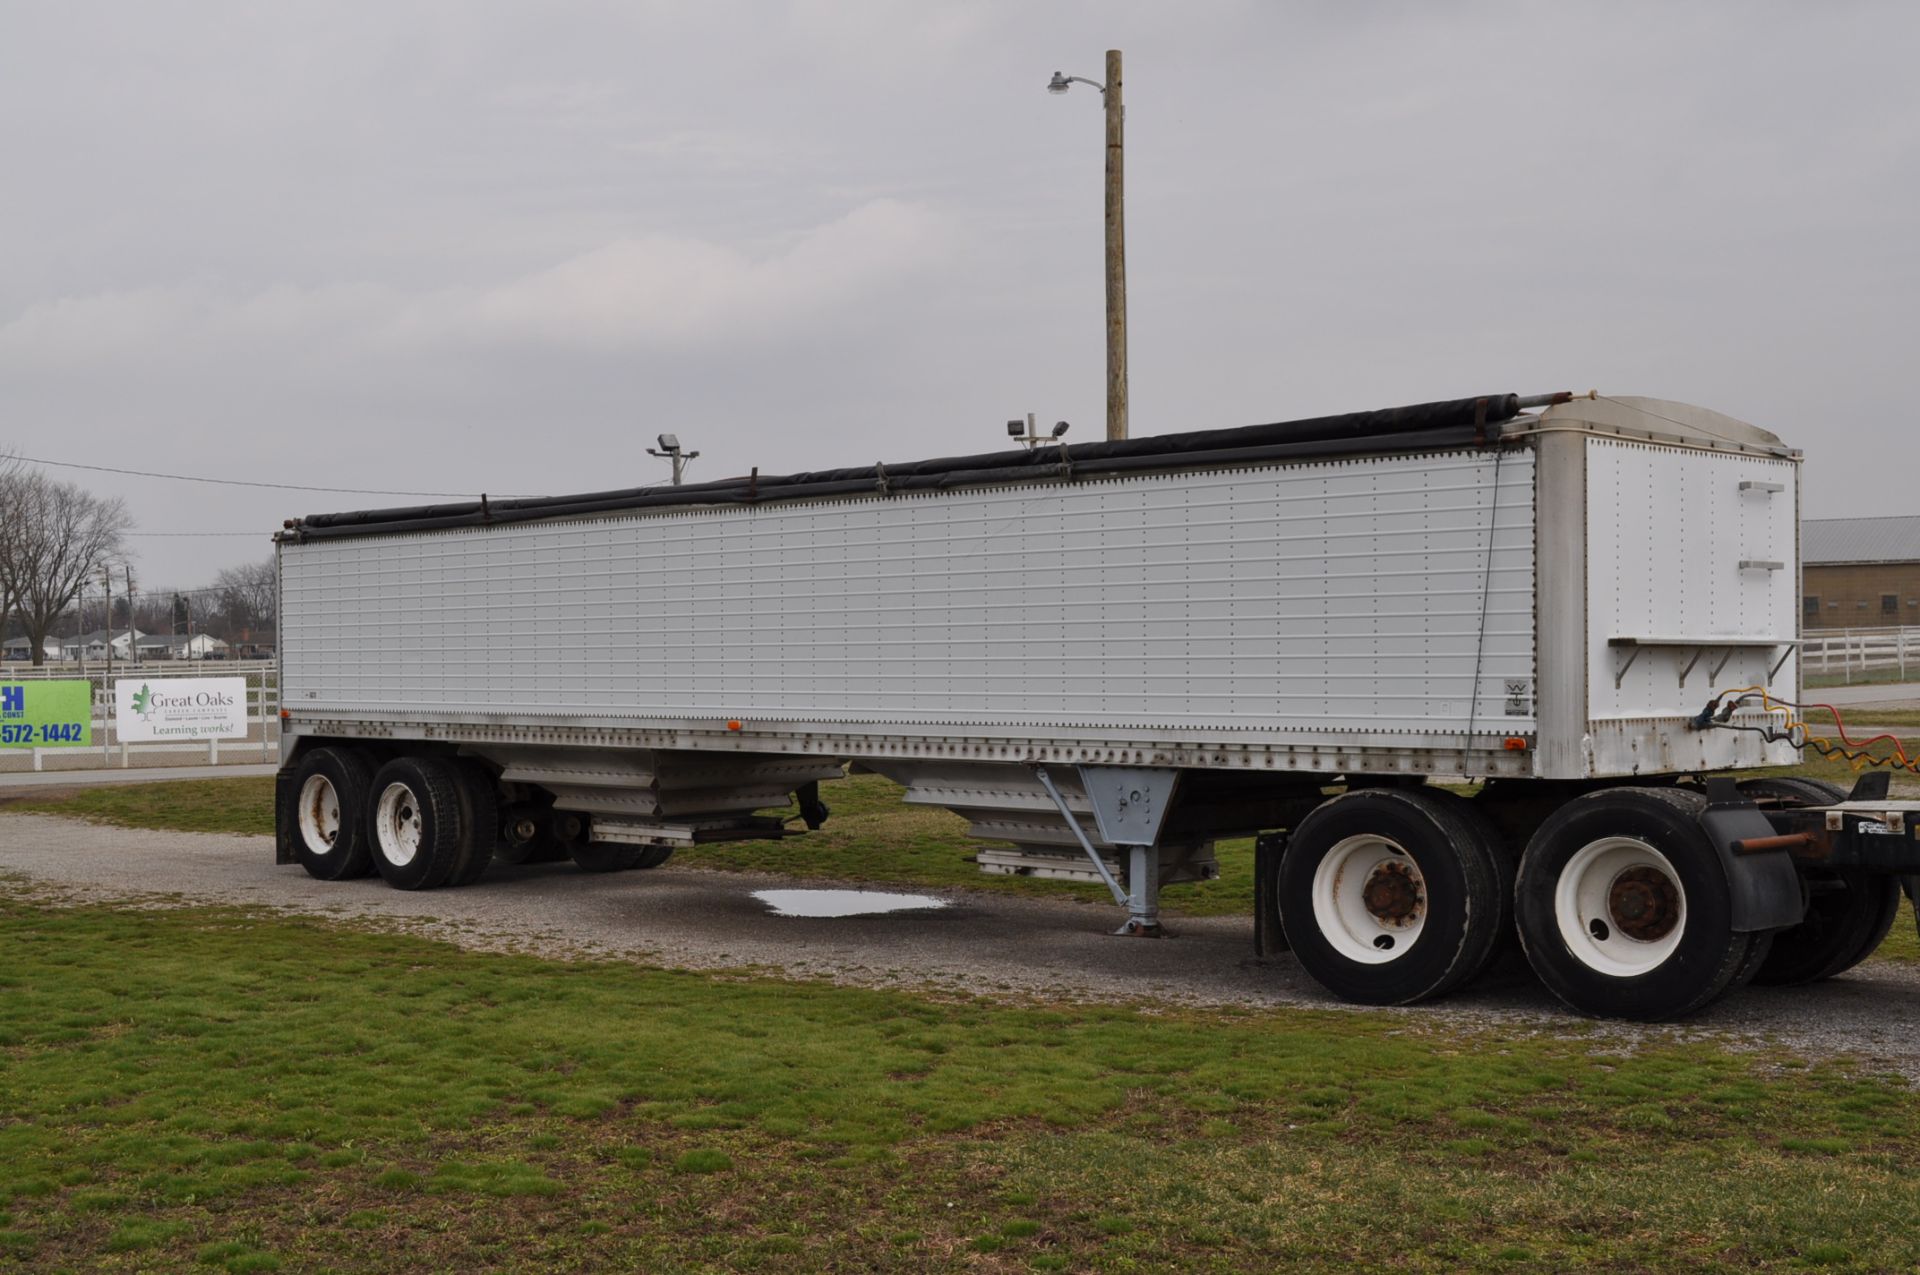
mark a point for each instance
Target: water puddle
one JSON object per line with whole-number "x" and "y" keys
{"x": 844, "y": 902}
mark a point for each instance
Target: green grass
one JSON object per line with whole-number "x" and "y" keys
{"x": 243, "y": 805}
{"x": 216, "y": 1088}
{"x": 1860, "y": 677}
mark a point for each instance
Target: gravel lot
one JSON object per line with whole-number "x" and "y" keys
{"x": 981, "y": 943}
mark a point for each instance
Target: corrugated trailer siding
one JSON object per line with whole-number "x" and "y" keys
{"x": 1342, "y": 595}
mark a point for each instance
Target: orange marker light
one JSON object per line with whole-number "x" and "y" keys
{"x": 1515, "y": 744}
{"x": 733, "y": 725}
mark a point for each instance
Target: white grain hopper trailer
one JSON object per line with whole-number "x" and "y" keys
{"x": 1109, "y": 656}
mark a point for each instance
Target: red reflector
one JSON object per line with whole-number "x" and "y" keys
{"x": 733, "y": 725}
{"x": 1515, "y": 744}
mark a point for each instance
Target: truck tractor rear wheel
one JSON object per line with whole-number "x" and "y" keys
{"x": 329, "y": 816}
{"x": 1849, "y": 912}
{"x": 1390, "y": 896}
{"x": 414, "y": 822}
{"x": 480, "y": 818}
{"x": 654, "y": 856}
{"x": 1624, "y": 907}
{"x": 606, "y": 856}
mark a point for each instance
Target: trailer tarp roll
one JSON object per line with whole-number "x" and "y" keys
{"x": 1454, "y": 423}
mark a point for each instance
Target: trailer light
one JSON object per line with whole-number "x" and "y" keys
{"x": 733, "y": 725}
{"x": 1515, "y": 744}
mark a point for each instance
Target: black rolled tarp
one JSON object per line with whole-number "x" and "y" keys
{"x": 1455, "y": 423}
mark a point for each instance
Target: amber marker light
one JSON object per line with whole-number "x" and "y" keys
{"x": 1515, "y": 744}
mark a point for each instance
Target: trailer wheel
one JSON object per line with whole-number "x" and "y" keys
{"x": 654, "y": 856}
{"x": 480, "y": 820}
{"x": 415, "y": 821}
{"x": 1848, "y": 912}
{"x": 1389, "y": 896}
{"x": 606, "y": 856}
{"x": 1624, "y": 907}
{"x": 329, "y": 815}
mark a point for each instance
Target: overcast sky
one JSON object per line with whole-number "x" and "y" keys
{"x": 471, "y": 247}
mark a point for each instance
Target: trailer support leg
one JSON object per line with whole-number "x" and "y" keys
{"x": 1143, "y": 893}
{"x": 1080, "y": 834}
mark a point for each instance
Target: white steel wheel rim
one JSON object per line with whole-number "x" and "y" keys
{"x": 1355, "y": 928}
{"x": 319, "y": 814}
{"x": 1594, "y": 923}
{"x": 396, "y": 825}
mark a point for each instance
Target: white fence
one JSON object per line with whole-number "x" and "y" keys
{"x": 107, "y": 749}
{"x": 1855, "y": 652}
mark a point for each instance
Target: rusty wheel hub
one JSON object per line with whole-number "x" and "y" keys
{"x": 1391, "y": 894}
{"x": 1644, "y": 904}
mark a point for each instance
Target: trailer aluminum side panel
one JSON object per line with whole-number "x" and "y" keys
{"x": 1365, "y": 598}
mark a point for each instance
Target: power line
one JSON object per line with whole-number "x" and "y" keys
{"x": 235, "y": 482}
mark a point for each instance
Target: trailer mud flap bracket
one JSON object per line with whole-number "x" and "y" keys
{"x": 1764, "y": 887}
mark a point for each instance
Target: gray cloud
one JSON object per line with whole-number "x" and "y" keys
{"x": 498, "y": 247}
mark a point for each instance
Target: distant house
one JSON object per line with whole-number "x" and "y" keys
{"x": 95, "y": 645}
{"x": 1858, "y": 573}
{"x": 20, "y": 649}
{"x": 179, "y": 646}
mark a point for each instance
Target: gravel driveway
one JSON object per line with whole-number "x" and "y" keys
{"x": 980, "y": 943}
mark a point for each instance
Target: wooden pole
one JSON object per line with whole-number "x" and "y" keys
{"x": 1116, "y": 254}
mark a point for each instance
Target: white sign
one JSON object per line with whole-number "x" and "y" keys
{"x": 182, "y": 708}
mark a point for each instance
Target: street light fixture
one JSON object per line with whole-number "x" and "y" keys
{"x": 670, "y": 450}
{"x": 1116, "y": 238}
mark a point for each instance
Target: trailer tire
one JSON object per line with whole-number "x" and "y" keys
{"x": 480, "y": 798}
{"x": 1576, "y": 906}
{"x": 414, "y": 817}
{"x": 1390, "y": 895}
{"x": 1849, "y": 912}
{"x": 654, "y": 856}
{"x": 328, "y": 818}
{"x": 606, "y": 856}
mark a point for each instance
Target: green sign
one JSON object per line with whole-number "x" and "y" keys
{"x": 46, "y": 714}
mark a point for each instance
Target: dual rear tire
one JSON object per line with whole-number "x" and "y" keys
{"x": 1394, "y": 895}
{"x": 1625, "y": 910}
{"x": 426, "y": 821}
{"x": 1621, "y": 902}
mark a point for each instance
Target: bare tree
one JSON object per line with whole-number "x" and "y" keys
{"x": 248, "y": 596}
{"x": 54, "y": 537}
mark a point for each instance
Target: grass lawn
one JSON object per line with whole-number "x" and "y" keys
{"x": 1860, "y": 677}
{"x": 216, "y": 1090}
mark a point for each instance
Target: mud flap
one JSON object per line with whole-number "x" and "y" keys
{"x": 1765, "y": 887}
{"x": 1268, "y": 936}
{"x": 283, "y": 796}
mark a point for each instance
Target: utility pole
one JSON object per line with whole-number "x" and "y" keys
{"x": 106, "y": 627}
{"x": 1116, "y": 254}
{"x": 133, "y": 647}
{"x": 1116, "y": 237}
